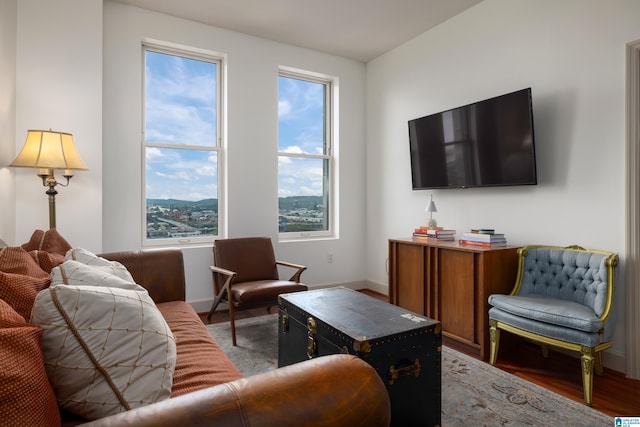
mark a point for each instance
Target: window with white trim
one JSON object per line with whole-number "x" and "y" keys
{"x": 182, "y": 146}
{"x": 305, "y": 155}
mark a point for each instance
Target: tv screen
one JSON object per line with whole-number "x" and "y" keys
{"x": 484, "y": 144}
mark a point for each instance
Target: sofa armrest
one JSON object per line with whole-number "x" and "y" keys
{"x": 160, "y": 271}
{"x": 337, "y": 391}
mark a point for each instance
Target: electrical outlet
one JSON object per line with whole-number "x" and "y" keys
{"x": 329, "y": 257}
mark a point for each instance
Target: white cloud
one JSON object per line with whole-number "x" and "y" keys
{"x": 206, "y": 170}
{"x": 153, "y": 153}
{"x": 180, "y": 101}
{"x": 284, "y": 108}
{"x": 306, "y": 191}
{"x": 300, "y": 177}
{"x": 294, "y": 149}
{"x": 177, "y": 176}
{"x": 283, "y": 161}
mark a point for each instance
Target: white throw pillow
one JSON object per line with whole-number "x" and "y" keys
{"x": 89, "y": 258}
{"x": 106, "y": 350}
{"x": 75, "y": 273}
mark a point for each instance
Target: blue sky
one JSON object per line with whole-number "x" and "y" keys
{"x": 180, "y": 109}
{"x": 300, "y": 130}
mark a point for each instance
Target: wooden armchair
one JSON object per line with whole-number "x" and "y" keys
{"x": 562, "y": 297}
{"x": 245, "y": 275}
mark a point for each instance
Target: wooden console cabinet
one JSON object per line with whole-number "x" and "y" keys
{"x": 451, "y": 282}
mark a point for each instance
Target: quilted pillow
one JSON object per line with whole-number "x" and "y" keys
{"x": 20, "y": 279}
{"x": 75, "y": 273}
{"x": 106, "y": 350}
{"x": 26, "y": 397}
{"x": 89, "y": 258}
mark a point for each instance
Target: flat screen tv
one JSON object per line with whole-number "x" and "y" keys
{"x": 484, "y": 144}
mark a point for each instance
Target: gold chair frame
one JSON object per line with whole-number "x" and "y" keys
{"x": 591, "y": 359}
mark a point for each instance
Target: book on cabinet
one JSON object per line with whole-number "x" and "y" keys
{"x": 483, "y": 237}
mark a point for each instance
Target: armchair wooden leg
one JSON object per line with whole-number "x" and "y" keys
{"x": 494, "y": 334}
{"x": 225, "y": 291}
{"x": 216, "y": 301}
{"x": 588, "y": 360}
{"x": 233, "y": 322}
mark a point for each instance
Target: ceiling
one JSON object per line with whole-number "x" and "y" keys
{"x": 357, "y": 29}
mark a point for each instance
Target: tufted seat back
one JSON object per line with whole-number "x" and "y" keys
{"x": 565, "y": 292}
{"x": 571, "y": 275}
{"x": 562, "y": 297}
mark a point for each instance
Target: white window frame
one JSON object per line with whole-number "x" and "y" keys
{"x": 331, "y": 135}
{"x": 219, "y": 148}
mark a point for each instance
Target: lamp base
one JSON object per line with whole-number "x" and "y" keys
{"x": 432, "y": 223}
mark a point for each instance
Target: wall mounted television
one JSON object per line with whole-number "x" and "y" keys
{"x": 484, "y": 144}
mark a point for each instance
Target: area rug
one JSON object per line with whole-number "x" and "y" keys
{"x": 474, "y": 393}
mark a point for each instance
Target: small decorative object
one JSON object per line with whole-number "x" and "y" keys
{"x": 431, "y": 208}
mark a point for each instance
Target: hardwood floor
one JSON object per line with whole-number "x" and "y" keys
{"x": 613, "y": 394}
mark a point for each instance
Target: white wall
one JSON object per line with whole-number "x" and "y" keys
{"x": 571, "y": 53}
{"x": 252, "y": 69}
{"x": 8, "y": 32}
{"x": 58, "y": 85}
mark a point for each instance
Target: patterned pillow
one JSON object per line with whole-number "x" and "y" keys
{"x": 46, "y": 260}
{"x": 89, "y": 258}
{"x": 20, "y": 279}
{"x": 26, "y": 397}
{"x": 106, "y": 350}
{"x": 75, "y": 273}
{"x": 48, "y": 241}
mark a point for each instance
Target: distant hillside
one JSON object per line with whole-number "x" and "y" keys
{"x": 205, "y": 204}
{"x": 284, "y": 203}
{"x": 299, "y": 202}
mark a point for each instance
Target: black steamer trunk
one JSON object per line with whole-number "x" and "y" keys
{"x": 403, "y": 347}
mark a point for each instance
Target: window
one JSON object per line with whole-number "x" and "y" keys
{"x": 182, "y": 146}
{"x": 305, "y": 155}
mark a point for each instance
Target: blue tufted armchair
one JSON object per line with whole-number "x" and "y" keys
{"x": 562, "y": 297}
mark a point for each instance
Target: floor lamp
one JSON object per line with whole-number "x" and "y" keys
{"x": 46, "y": 151}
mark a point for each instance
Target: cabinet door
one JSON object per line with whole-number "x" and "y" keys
{"x": 409, "y": 277}
{"x": 456, "y": 293}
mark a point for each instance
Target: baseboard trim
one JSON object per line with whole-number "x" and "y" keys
{"x": 204, "y": 305}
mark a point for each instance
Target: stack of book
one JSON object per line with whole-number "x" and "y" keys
{"x": 483, "y": 237}
{"x": 437, "y": 233}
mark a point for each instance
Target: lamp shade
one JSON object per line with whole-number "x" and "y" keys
{"x": 431, "y": 206}
{"x": 49, "y": 150}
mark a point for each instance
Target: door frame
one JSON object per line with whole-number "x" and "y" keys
{"x": 632, "y": 244}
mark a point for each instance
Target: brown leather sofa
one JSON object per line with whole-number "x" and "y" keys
{"x": 336, "y": 391}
